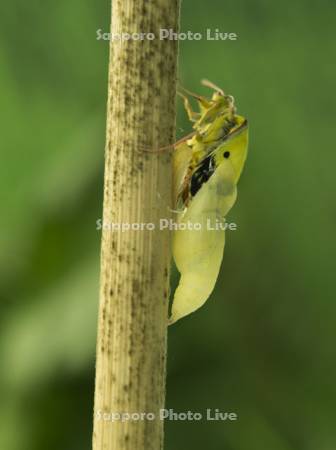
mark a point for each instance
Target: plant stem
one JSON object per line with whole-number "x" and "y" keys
{"x": 134, "y": 289}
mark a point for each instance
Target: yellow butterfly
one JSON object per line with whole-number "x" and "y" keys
{"x": 207, "y": 167}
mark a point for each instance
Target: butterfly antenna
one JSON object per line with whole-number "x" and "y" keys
{"x": 211, "y": 85}
{"x": 168, "y": 147}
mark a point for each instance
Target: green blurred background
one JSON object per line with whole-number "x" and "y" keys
{"x": 264, "y": 345}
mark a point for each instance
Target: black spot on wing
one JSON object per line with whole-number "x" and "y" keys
{"x": 202, "y": 174}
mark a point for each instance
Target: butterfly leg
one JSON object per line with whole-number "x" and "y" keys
{"x": 192, "y": 115}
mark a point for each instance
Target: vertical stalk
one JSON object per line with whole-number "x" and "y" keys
{"x": 134, "y": 289}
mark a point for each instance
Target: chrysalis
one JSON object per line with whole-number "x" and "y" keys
{"x": 207, "y": 168}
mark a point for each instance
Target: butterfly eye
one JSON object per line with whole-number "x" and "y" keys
{"x": 226, "y": 154}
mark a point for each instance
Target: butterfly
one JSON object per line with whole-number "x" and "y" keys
{"x": 207, "y": 165}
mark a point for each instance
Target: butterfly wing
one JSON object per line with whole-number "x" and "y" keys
{"x": 198, "y": 249}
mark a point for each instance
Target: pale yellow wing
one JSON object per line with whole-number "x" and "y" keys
{"x": 198, "y": 252}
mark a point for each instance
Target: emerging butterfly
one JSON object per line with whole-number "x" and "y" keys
{"x": 207, "y": 167}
